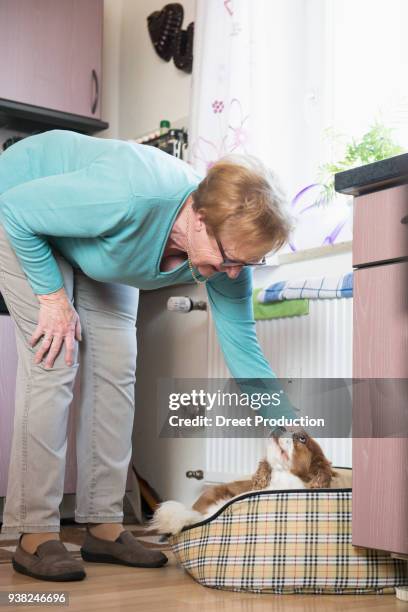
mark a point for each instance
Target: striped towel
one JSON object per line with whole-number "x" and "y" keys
{"x": 312, "y": 288}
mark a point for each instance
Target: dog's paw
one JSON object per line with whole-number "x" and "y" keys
{"x": 171, "y": 516}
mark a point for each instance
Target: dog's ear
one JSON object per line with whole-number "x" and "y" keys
{"x": 262, "y": 477}
{"x": 321, "y": 472}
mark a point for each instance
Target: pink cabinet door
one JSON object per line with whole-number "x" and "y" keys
{"x": 380, "y": 459}
{"x": 50, "y": 54}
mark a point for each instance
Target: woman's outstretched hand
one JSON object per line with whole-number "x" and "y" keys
{"x": 58, "y": 323}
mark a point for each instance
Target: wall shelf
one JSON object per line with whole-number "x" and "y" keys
{"x": 26, "y": 117}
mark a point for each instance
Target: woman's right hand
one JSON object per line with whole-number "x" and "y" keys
{"x": 59, "y": 323}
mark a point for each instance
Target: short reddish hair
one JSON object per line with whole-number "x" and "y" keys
{"x": 242, "y": 198}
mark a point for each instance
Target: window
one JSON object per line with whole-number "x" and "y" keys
{"x": 274, "y": 78}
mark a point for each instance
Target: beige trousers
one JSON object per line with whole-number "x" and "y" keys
{"x": 106, "y": 357}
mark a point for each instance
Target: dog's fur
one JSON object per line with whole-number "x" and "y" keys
{"x": 293, "y": 460}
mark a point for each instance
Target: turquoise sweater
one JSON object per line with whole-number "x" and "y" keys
{"x": 108, "y": 207}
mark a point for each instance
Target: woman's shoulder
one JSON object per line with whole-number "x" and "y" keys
{"x": 143, "y": 170}
{"x": 61, "y": 137}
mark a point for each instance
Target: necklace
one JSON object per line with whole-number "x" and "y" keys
{"x": 190, "y": 265}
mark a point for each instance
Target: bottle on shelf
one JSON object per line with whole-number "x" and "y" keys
{"x": 164, "y": 126}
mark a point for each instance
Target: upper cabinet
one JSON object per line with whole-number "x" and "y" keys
{"x": 51, "y": 54}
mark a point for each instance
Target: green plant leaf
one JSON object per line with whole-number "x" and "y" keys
{"x": 375, "y": 145}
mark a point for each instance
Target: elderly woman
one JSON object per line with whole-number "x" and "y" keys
{"x": 84, "y": 224}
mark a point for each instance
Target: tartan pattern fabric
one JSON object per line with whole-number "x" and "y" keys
{"x": 285, "y": 542}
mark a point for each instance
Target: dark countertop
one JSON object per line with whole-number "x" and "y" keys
{"x": 373, "y": 177}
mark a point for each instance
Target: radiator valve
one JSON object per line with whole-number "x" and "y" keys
{"x": 185, "y": 304}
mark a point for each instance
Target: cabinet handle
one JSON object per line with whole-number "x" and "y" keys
{"x": 405, "y": 220}
{"x": 96, "y": 98}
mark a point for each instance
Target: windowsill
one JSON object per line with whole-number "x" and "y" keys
{"x": 314, "y": 253}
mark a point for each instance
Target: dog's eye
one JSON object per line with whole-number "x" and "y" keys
{"x": 302, "y": 439}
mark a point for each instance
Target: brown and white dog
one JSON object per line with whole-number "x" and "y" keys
{"x": 293, "y": 460}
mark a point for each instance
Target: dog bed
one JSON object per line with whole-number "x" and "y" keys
{"x": 296, "y": 541}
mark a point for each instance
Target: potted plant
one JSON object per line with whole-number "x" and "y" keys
{"x": 376, "y": 144}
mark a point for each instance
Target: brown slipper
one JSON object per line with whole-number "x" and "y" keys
{"x": 51, "y": 561}
{"x": 125, "y": 550}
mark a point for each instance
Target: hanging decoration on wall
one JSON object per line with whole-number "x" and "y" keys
{"x": 183, "y": 53}
{"x": 168, "y": 39}
{"x": 163, "y": 28}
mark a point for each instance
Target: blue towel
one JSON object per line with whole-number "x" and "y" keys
{"x": 320, "y": 287}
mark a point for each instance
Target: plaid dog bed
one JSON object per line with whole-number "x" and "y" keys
{"x": 296, "y": 541}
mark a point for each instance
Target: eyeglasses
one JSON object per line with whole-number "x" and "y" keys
{"x": 230, "y": 263}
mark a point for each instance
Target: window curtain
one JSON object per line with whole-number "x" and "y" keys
{"x": 247, "y": 81}
{"x": 274, "y": 77}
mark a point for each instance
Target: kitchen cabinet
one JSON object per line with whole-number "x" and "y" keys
{"x": 380, "y": 355}
{"x": 51, "y": 54}
{"x": 380, "y": 460}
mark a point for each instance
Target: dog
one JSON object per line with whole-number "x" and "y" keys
{"x": 293, "y": 460}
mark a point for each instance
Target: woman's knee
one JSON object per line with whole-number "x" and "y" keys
{"x": 121, "y": 353}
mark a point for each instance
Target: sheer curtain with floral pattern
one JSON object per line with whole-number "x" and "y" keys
{"x": 276, "y": 78}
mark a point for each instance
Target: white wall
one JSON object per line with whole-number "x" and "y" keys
{"x": 139, "y": 87}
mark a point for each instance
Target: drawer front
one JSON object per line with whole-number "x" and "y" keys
{"x": 378, "y": 233}
{"x": 380, "y": 457}
{"x": 380, "y": 494}
{"x": 380, "y": 327}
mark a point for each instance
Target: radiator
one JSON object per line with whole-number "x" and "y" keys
{"x": 318, "y": 345}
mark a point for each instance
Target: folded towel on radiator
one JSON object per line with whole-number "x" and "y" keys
{"x": 311, "y": 288}
{"x": 290, "y": 308}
